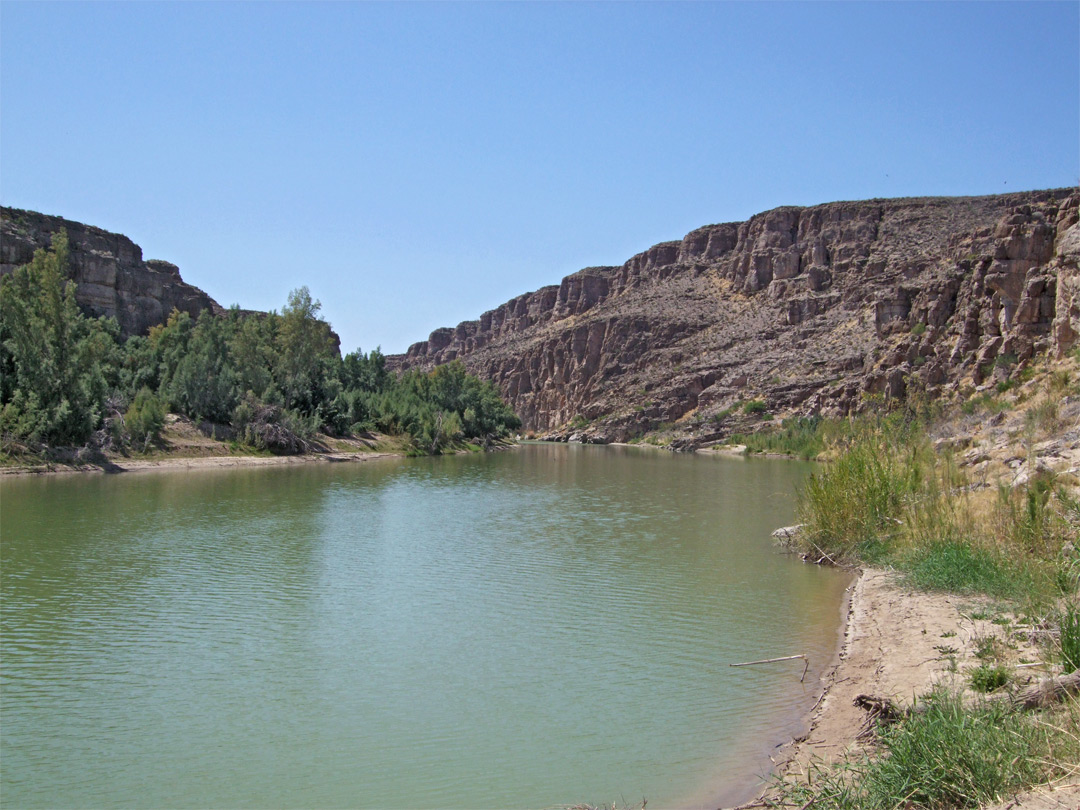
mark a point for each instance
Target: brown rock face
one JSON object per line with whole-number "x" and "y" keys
{"x": 111, "y": 276}
{"x": 809, "y": 309}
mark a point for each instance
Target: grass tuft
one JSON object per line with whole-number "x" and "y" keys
{"x": 988, "y": 677}
{"x": 1070, "y": 638}
{"x": 959, "y": 567}
{"x": 946, "y": 756}
{"x": 887, "y": 498}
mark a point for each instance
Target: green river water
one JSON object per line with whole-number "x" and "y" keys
{"x": 525, "y": 629}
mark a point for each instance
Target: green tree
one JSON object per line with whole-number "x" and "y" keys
{"x": 145, "y": 418}
{"x": 202, "y": 383}
{"x": 306, "y": 369}
{"x": 251, "y": 350}
{"x": 54, "y": 358}
{"x": 364, "y": 372}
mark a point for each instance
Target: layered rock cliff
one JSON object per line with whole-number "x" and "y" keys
{"x": 111, "y": 276}
{"x": 808, "y": 309}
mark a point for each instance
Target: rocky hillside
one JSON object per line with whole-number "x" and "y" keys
{"x": 806, "y": 309}
{"x": 111, "y": 275}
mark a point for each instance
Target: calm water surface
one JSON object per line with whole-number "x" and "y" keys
{"x": 544, "y": 626}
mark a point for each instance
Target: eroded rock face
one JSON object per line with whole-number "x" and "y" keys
{"x": 111, "y": 276}
{"x": 809, "y": 309}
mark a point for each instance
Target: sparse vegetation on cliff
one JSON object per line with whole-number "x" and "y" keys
{"x": 269, "y": 381}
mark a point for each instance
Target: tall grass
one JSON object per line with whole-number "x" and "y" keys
{"x": 888, "y": 498}
{"x": 1069, "y": 641}
{"x": 803, "y": 437}
{"x": 856, "y": 502}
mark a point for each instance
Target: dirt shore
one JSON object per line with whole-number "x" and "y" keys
{"x": 898, "y": 644}
{"x": 192, "y": 463}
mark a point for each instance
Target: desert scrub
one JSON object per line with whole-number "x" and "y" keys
{"x": 754, "y": 406}
{"x": 984, "y": 403}
{"x": 947, "y": 755}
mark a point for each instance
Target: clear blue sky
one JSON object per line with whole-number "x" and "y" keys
{"x": 416, "y": 164}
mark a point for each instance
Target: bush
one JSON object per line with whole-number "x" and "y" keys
{"x": 145, "y": 418}
{"x": 988, "y": 677}
{"x": 754, "y": 406}
{"x": 270, "y": 427}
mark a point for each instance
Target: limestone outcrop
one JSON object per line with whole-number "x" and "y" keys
{"x": 112, "y": 278}
{"x": 810, "y": 310}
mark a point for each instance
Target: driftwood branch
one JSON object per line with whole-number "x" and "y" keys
{"x": 1044, "y": 692}
{"x": 806, "y": 662}
{"x": 880, "y": 711}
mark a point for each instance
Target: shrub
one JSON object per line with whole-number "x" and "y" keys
{"x": 270, "y": 427}
{"x": 754, "y": 406}
{"x": 988, "y": 677}
{"x": 145, "y": 417}
{"x": 720, "y": 416}
{"x": 1042, "y": 417}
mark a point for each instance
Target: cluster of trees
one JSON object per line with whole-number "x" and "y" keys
{"x": 274, "y": 379}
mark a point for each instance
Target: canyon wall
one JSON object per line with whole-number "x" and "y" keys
{"x": 111, "y": 276}
{"x": 810, "y": 310}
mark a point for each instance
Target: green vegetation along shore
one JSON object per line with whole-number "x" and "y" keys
{"x": 70, "y": 388}
{"x": 959, "y": 498}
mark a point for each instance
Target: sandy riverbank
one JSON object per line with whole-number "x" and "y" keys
{"x": 192, "y": 463}
{"x": 892, "y": 648}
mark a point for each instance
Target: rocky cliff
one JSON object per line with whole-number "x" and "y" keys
{"x": 111, "y": 276}
{"x": 808, "y": 309}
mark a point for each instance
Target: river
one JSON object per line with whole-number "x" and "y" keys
{"x": 525, "y": 629}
